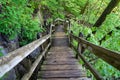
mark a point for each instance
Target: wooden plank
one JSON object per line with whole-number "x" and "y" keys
{"x": 60, "y": 41}
{"x": 56, "y": 53}
{"x": 63, "y": 48}
{"x": 34, "y": 65}
{"x": 59, "y": 19}
{"x": 61, "y": 52}
{"x": 111, "y": 57}
{"x": 58, "y": 58}
{"x": 83, "y": 78}
{"x": 62, "y": 74}
{"x": 60, "y": 67}
{"x": 60, "y": 34}
{"x": 60, "y": 55}
{"x": 60, "y": 62}
{"x": 61, "y": 59}
{"x": 13, "y": 58}
{"x": 94, "y": 72}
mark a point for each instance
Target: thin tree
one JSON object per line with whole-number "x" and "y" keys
{"x": 107, "y": 11}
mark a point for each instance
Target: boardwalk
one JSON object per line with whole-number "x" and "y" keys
{"x": 60, "y": 63}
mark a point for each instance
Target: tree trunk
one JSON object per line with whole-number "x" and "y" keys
{"x": 84, "y": 8}
{"x": 0, "y": 8}
{"x": 107, "y": 11}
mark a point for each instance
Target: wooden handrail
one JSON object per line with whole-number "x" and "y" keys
{"x": 34, "y": 65}
{"x": 111, "y": 57}
{"x": 95, "y": 73}
{"x": 59, "y": 19}
{"x": 13, "y": 58}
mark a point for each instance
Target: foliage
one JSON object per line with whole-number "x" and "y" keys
{"x": 111, "y": 41}
{"x": 63, "y": 8}
{"x": 54, "y": 8}
{"x": 9, "y": 24}
{"x": 16, "y": 20}
{"x": 92, "y": 12}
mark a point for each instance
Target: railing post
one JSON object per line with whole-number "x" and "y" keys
{"x": 51, "y": 27}
{"x": 69, "y": 31}
{"x": 50, "y": 31}
{"x": 79, "y": 46}
{"x": 42, "y": 47}
{"x": 39, "y": 35}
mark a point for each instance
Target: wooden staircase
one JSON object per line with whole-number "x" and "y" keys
{"x": 60, "y": 63}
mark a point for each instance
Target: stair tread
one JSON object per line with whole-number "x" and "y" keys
{"x": 83, "y": 78}
{"x": 60, "y": 62}
{"x": 60, "y": 67}
{"x": 62, "y": 74}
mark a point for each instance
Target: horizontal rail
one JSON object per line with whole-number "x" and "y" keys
{"x": 59, "y": 19}
{"x": 62, "y": 20}
{"x": 95, "y": 73}
{"x": 34, "y": 65}
{"x": 111, "y": 57}
{"x": 13, "y": 58}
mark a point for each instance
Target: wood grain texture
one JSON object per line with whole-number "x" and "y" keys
{"x": 13, "y": 58}
{"x": 34, "y": 65}
{"x": 62, "y": 74}
{"x": 61, "y": 67}
{"x": 89, "y": 66}
{"x": 111, "y": 57}
{"x": 84, "y": 78}
{"x": 60, "y": 62}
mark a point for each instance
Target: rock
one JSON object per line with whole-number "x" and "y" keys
{"x": 7, "y": 46}
{"x": 35, "y": 53}
{"x": 3, "y": 51}
{"x": 11, "y": 75}
{"x": 20, "y": 71}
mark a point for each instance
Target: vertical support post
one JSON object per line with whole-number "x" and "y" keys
{"x": 51, "y": 26}
{"x": 70, "y": 38}
{"x": 69, "y": 31}
{"x": 39, "y": 35}
{"x": 42, "y": 47}
{"x": 79, "y": 46}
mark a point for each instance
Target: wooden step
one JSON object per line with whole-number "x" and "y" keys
{"x": 60, "y": 59}
{"x": 60, "y": 41}
{"x": 59, "y": 34}
{"x": 83, "y": 78}
{"x": 62, "y": 74}
{"x": 61, "y": 55}
{"x": 60, "y": 62}
{"x": 60, "y": 49}
{"x": 60, "y": 67}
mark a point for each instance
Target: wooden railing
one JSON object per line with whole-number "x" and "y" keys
{"x": 111, "y": 57}
{"x": 9, "y": 61}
